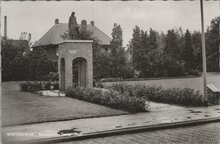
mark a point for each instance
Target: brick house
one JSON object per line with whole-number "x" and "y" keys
{"x": 49, "y": 41}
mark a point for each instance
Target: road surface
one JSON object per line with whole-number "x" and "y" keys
{"x": 200, "y": 134}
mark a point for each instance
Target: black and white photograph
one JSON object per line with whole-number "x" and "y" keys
{"x": 110, "y": 72}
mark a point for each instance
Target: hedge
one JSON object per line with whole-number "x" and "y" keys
{"x": 191, "y": 74}
{"x": 110, "y": 98}
{"x": 33, "y": 86}
{"x": 184, "y": 96}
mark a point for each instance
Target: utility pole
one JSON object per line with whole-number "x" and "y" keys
{"x": 219, "y": 43}
{"x": 203, "y": 54}
{"x": 5, "y": 27}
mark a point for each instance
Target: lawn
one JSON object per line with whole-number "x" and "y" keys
{"x": 25, "y": 108}
{"x": 194, "y": 83}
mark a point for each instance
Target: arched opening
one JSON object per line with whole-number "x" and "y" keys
{"x": 79, "y": 72}
{"x": 62, "y": 73}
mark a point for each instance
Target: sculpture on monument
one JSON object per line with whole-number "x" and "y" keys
{"x": 73, "y": 27}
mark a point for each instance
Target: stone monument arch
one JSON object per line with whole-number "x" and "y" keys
{"x": 75, "y": 63}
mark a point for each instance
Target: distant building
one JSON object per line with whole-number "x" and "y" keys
{"x": 50, "y": 40}
{"x": 21, "y": 44}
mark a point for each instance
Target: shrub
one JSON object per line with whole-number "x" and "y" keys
{"x": 30, "y": 86}
{"x": 110, "y": 98}
{"x": 194, "y": 72}
{"x": 33, "y": 86}
{"x": 121, "y": 87}
{"x": 52, "y": 76}
{"x": 97, "y": 83}
{"x": 185, "y": 96}
{"x": 111, "y": 79}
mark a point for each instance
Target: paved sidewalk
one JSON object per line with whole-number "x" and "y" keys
{"x": 160, "y": 115}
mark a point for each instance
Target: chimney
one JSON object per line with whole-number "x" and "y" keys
{"x": 83, "y": 25}
{"x": 92, "y": 23}
{"x": 56, "y": 21}
{"x": 5, "y": 26}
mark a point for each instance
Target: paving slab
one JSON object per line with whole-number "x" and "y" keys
{"x": 160, "y": 115}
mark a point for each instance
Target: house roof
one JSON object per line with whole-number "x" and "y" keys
{"x": 53, "y": 36}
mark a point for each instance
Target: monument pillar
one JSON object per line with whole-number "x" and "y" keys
{"x": 75, "y": 50}
{"x": 69, "y": 73}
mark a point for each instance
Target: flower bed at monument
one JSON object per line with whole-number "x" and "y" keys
{"x": 33, "y": 86}
{"x": 185, "y": 96}
{"x": 110, "y": 98}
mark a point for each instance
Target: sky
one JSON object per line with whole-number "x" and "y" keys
{"x": 38, "y": 17}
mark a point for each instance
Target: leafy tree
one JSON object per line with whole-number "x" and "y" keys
{"x": 180, "y": 42}
{"x": 152, "y": 40}
{"x": 101, "y": 66}
{"x": 197, "y": 49}
{"x": 17, "y": 66}
{"x": 150, "y": 51}
{"x": 154, "y": 54}
{"x": 212, "y": 45}
{"x": 8, "y": 55}
{"x": 143, "y": 57}
{"x": 111, "y": 64}
{"x": 136, "y": 45}
{"x": 172, "y": 55}
{"x": 188, "y": 56}
{"x": 118, "y": 60}
{"x": 117, "y": 39}
{"x": 160, "y": 41}
{"x": 146, "y": 53}
{"x": 39, "y": 65}
{"x": 129, "y": 73}
{"x": 13, "y": 61}
{"x": 171, "y": 44}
